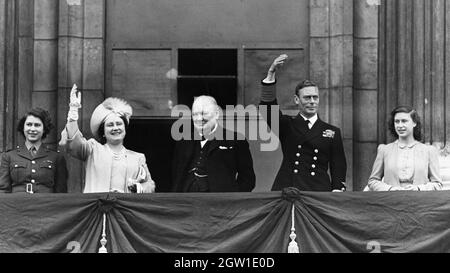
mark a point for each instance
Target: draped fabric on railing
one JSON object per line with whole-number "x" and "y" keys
{"x": 227, "y": 222}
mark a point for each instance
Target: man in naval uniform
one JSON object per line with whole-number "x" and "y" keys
{"x": 311, "y": 147}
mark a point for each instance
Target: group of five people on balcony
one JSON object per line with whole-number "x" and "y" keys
{"x": 313, "y": 152}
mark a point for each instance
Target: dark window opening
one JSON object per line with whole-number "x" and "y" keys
{"x": 207, "y": 72}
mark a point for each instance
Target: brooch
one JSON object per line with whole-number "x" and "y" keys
{"x": 328, "y": 133}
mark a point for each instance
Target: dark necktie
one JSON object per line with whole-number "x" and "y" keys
{"x": 33, "y": 151}
{"x": 307, "y": 123}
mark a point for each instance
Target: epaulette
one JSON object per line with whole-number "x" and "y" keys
{"x": 9, "y": 150}
{"x": 50, "y": 148}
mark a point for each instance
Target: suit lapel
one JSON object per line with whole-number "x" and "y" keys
{"x": 299, "y": 125}
{"x": 187, "y": 149}
{"x": 217, "y": 139}
{"x": 394, "y": 163}
{"x": 419, "y": 162}
{"x": 390, "y": 162}
{"x": 129, "y": 169}
{"x": 42, "y": 152}
{"x": 212, "y": 145}
{"x": 23, "y": 152}
{"x": 317, "y": 129}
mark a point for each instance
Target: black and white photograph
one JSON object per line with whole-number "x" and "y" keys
{"x": 245, "y": 128}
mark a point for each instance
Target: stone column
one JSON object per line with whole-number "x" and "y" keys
{"x": 81, "y": 51}
{"x": 44, "y": 66}
{"x": 30, "y": 59}
{"x": 365, "y": 89}
{"x": 331, "y": 67}
{"x": 81, "y": 61}
{"x": 415, "y": 65}
{"x": 8, "y": 72}
{"x": 3, "y": 103}
{"x": 25, "y": 50}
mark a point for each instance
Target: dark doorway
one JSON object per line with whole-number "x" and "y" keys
{"x": 152, "y": 137}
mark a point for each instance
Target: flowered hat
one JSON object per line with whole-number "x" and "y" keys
{"x": 106, "y": 108}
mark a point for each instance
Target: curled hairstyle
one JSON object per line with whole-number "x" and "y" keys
{"x": 101, "y": 129}
{"x": 417, "y": 132}
{"x": 303, "y": 84}
{"x": 41, "y": 114}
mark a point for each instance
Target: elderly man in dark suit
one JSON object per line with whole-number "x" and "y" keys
{"x": 310, "y": 146}
{"x": 210, "y": 161}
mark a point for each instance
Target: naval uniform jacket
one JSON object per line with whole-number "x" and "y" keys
{"x": 46, "y": 171}
{"x": 229, "y": 164}
{"x": 308, "y": 154}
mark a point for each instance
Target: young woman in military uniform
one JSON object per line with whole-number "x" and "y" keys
{"x": 33, "y": 167}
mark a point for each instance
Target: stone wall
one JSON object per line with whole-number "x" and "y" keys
{"x": 60, "y": 43}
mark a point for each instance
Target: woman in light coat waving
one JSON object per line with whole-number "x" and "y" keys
{"x": 110, "y": 167}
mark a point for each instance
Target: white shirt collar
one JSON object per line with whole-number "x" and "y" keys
{"x": 203, "y": 142}
{"x": 312, "y": 120}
